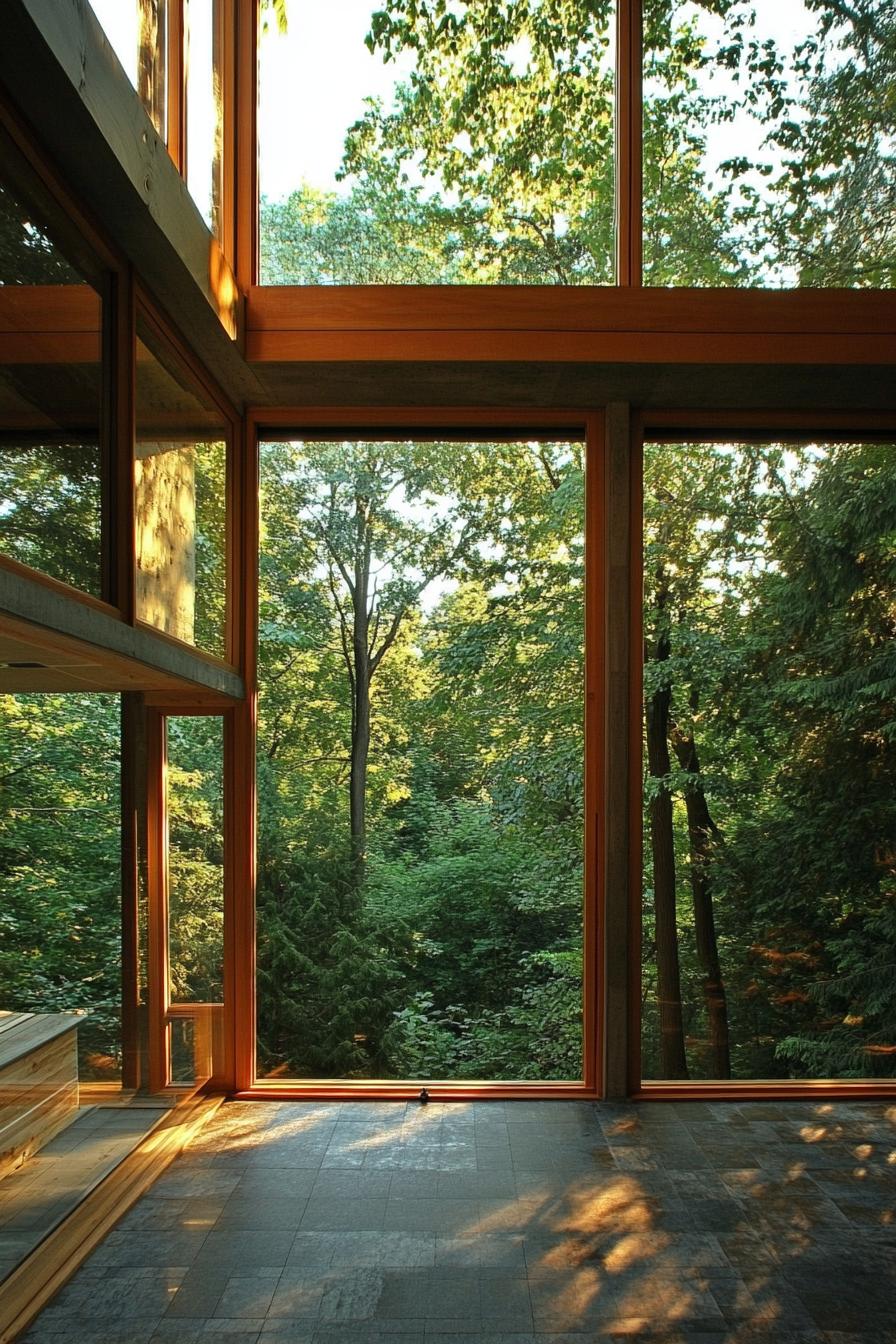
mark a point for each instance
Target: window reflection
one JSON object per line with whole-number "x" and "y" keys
{"x": 137, "y": 31}
{"x": 50, "y": 402}
{"x": 205, "y": 116}
{"x": 181, "y": 501}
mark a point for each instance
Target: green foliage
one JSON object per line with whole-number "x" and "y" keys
{"x": 60, "y": 923}
{"x": 50, "y": 513}
{"x": 196, "y": 858}
{"x": 766, "y": 161}
{"x": 464, "y": 941}
{"x": 779, "y": 568}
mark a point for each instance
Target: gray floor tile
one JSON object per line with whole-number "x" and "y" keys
{"x": 319, "y": 1224}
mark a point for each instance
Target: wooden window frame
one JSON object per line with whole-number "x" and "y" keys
{"x": 719, "y": 426}
{"x": 227, "y": 17}
{"x": 628, "y": 141}
{"x": 213, "y": 1020}
{"x": 476, "y": 424}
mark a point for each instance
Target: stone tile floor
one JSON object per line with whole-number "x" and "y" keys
{"x": 39, "y": 1194}
{"x": 515, "y": 1223}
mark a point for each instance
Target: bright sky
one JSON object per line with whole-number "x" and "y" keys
{"x": 313, "y": 85}
{"x": 314, "y": 81}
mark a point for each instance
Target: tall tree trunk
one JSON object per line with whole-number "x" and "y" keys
{"x": 360, "y": 743}
{"x": 673, "y": 1060}
{"x": 357, "y": 785}
{"x": 701, "y": 828}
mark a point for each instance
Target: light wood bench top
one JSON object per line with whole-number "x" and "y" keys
{"x": 20, "y": 1033}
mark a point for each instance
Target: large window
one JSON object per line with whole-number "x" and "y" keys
{"x": 60, "y": 867}
{"x": 769, "y": 931}
{"x": 203, "y": 21}
{"x": 51, "y": 392}
{"x": 181, "y": 500}
{"x": 401, "y": 147}
{"x": 420, "y": 756}
{"x": 139, "y": 32}
{"x": 194, "y": 810}
{"x": 769, "y": 143}
{"x": 476, "y": 143}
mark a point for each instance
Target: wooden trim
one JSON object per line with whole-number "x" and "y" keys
{"x": 550, "y": 346}
{"x": 225, "y": 69}
{"x": 157, "y": 970}
{"x": 635, "y": 752}
{"x": 376, "y": 1090}
{"x": 669, "y": 426}
{"x": 133, "y": 811}
{"x": 616, "y": 764}
{"x": 31, "y": 1286}
{"x": 594, "y": 810}
{"x": 240, "y": 955}
{"x": 628, "y": 143}
{"x": 568, "y": 309}
{"x": 52, "y": 309}
{"x": 246, "y": 170}
{"x": 176, "y": 123}
{"x": 190, "y": 704}
{"x": 802, "y": 1089}
{"x": 269, "y": 422}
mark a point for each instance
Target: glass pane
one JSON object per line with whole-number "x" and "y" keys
{"x": 205, "y": 115}
{"x": 50, "y": 403}
{"x": 137, "y": 31}
{"x": 420, "y": 760}
{"x": 770, "y": 761}
{"x": 183, "y": 1051}
{"x": 195, "y": 796}
{"x": 60, "y": 867}
{"x": 181, "y": 502}
{"x": 398, "y": 150}
{"x": 768, "y": 151}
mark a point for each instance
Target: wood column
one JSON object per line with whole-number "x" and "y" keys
{"x": 629, "y": 142}
{"x": 133, "y": 885}
{"x": 620, "y": 762}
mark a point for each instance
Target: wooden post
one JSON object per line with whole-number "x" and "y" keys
{"x": 240, "y": 781}
{"x": 618, "y": 762}
{"x": 629, "y": 138}
{"x": 595, "y": 695}
{"x": 133, "y": 881}
{"x": 245, "y": 146}
{"x": 157, "y": 901}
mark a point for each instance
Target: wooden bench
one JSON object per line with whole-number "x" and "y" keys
{"x": 38, "y": 1081}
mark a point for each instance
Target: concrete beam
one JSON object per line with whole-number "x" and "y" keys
{"x": 124, "y": 657}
